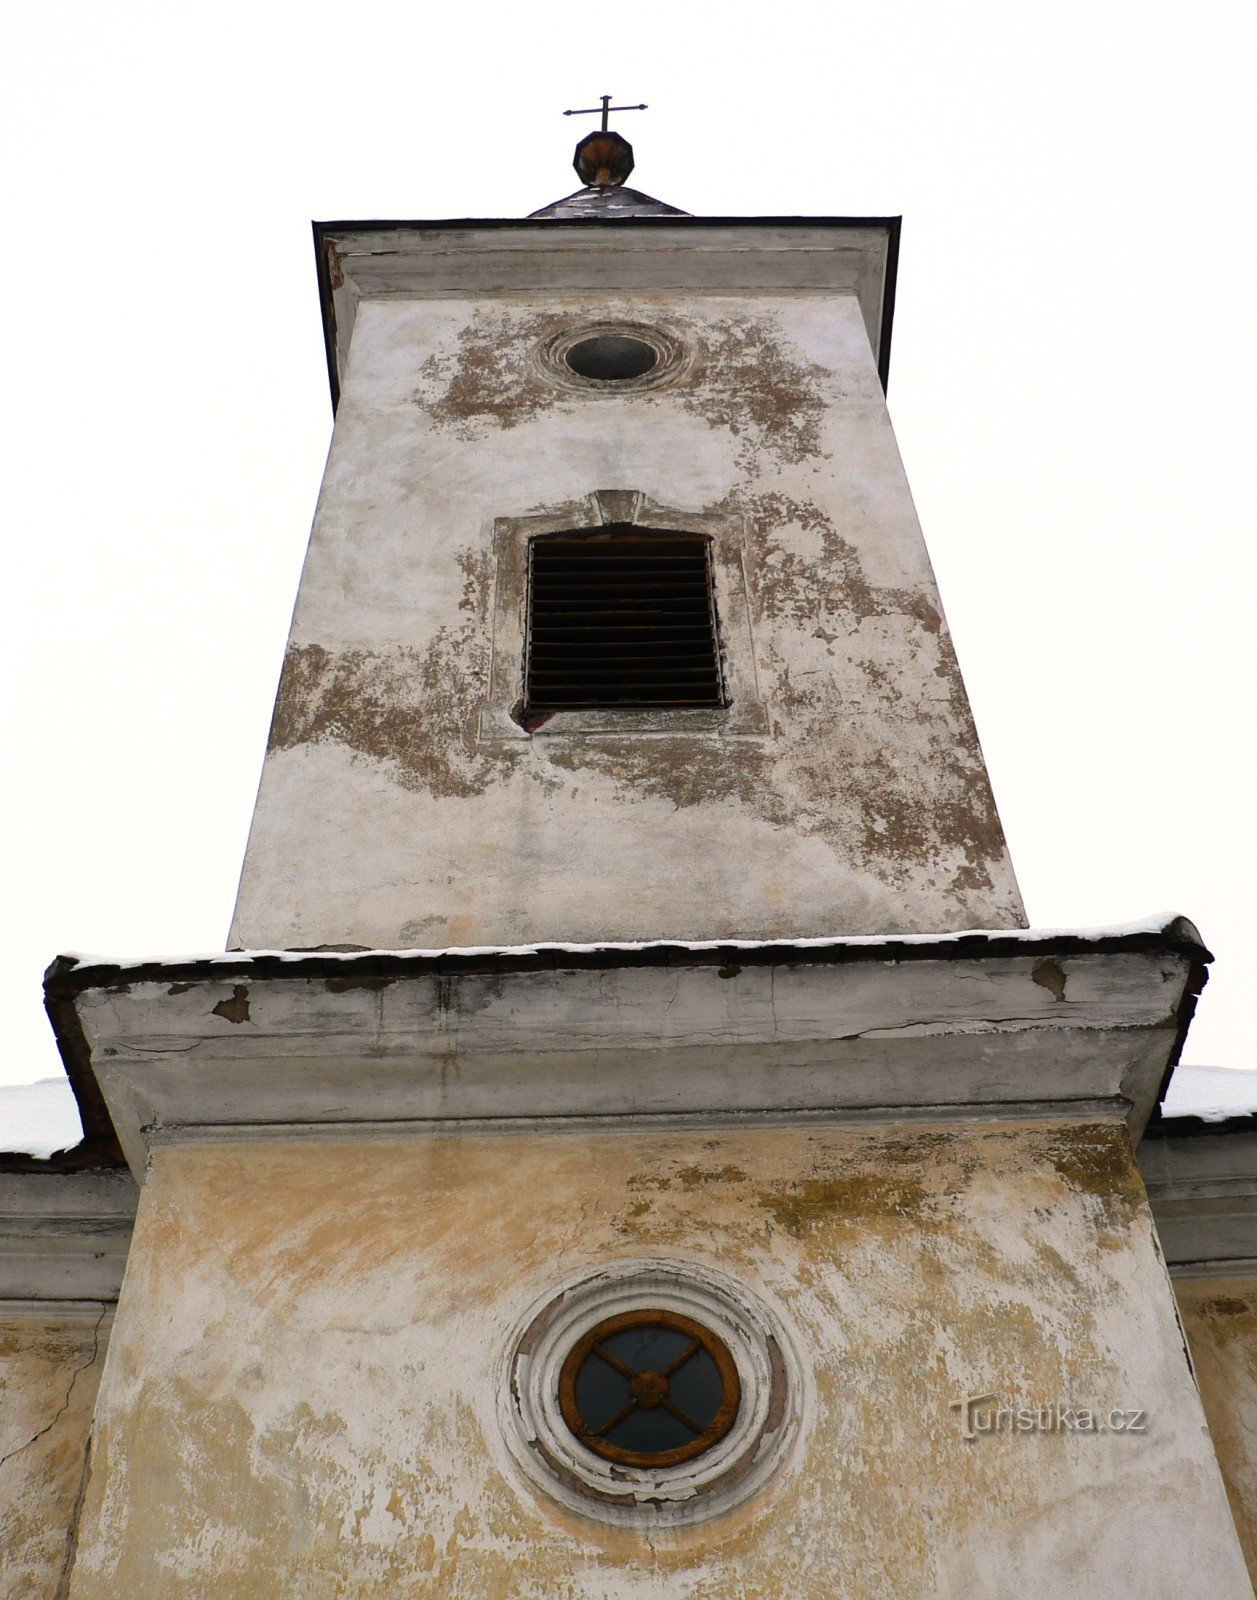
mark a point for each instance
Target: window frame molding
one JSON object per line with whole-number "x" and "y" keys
{"x": 744, "y": 715}
{"x": 774, "y": 1385}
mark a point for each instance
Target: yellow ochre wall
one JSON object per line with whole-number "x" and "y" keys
{"x": 1220, "y": 1318}
{"x": 302, "y": 1393}
{"x": 49, "y": 1372}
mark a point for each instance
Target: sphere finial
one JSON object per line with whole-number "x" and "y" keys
{"x": 603, "y": 160}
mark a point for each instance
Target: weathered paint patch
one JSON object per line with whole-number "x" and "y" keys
{"x": 896, "y": 638}
{"x": 744, "y": 376}
{"x": 751, "y": 380}
{"x": 489, "y": 377}
{"x": 49, "y": 1372}
{"x": 912, "y": 793}
{"x": 413, "y": 710}
{"x": 303, "y": 1391}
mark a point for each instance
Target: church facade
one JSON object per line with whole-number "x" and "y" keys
{"x": 607, "y": 1162}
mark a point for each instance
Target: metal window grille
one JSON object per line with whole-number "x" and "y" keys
{"x": 621, "y": 619}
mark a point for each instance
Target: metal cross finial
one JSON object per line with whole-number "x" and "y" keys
{"x": 607, "y": 109}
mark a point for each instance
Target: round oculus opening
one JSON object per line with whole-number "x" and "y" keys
{"x": 587, "y": 1412}
{"x": 611, "y": 358}
{"x": 649, "y": 1388}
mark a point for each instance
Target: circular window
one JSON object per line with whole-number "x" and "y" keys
{"x": 649, "y": 1389}
{"x": 611, "y": 358}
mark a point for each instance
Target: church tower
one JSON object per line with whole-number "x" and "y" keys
{"x": 617, "y": 622}
{"x": 604, "y": 1165}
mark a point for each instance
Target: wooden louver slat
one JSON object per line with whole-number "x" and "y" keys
{"x": 621, "y": 620}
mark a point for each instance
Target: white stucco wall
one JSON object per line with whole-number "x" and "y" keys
{"x": 386, "y": 815}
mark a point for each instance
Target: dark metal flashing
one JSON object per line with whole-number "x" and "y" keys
{"x": 324, "y": 230}
{"x": 1196, "y": 981}
{"x": 327, "y": 307}
{"x": 81, "y": 1157}
{"x": 99, "y": 1146}
{"x": 1185, "y": 1126}
{"x": 68, "y": 976}
{"x": 888, "y": 299}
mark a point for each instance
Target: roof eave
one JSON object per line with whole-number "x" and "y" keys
{"x": 166, "y": 1035}
{"x": 324, "y": 231}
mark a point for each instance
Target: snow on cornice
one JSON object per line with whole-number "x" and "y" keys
{"x": 76, "y": 970}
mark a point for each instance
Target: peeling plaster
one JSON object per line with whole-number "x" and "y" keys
{"x": 237, "y": 1008}
{"x": 1051, "y": 976}
{"x": 414, "y": 711}
{"x": 744, "y": 378}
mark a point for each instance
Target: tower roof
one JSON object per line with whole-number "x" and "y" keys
{"x": 611, "y": 201}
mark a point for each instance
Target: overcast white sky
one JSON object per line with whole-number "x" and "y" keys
{"x": 1071, "y": 383}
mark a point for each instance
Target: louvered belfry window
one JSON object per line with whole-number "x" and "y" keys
{"x": 621, "y": 620}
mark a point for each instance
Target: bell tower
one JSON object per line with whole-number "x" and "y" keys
{"x": 461, "y": 755}
{"x": 609, "y": 1163}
